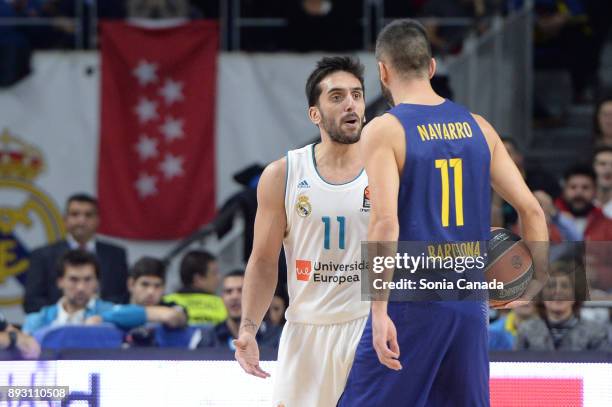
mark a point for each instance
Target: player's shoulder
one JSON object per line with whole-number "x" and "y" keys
{"x": 276, "y": 171}
{"x": 384, "y": 122}
{"x": 487, "y": 129}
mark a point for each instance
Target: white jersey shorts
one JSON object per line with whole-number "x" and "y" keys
{"x": 314, "y": 363}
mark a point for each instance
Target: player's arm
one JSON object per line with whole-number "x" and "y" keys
{"x": 508, "y": 182}
{"x": 381, "y": 153}
{"x": 262, "y": 268}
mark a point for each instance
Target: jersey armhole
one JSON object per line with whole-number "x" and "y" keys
{"x": 286, "y": 186}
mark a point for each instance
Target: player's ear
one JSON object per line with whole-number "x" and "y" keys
{"x": 384, "y": 73}
{"x": 432, "y": 68}
{"x": 314, "y": 115}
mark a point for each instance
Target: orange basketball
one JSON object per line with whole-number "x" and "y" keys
{"x": 509, "y": 262}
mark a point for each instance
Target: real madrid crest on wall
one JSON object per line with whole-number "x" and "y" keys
{"x": 28, "y": 217}
{"x": 303, "y": 206}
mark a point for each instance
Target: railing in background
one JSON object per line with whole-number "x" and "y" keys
{"x": 493, "y": 75}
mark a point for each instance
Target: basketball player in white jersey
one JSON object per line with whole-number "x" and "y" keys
{"x": 315, "y": 202}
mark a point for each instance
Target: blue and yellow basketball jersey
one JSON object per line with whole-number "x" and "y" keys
{"x": 445, "y": 185}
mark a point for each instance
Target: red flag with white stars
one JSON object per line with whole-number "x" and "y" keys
{"x": 156, "y": 172}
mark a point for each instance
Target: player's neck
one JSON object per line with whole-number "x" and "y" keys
{"x": 418, "y": 92}
{"x": 335, "y": 155}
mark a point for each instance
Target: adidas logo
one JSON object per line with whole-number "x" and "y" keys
{"x": 303, "y": 184}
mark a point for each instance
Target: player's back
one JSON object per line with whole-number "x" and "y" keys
{"x": 444, "y": 191}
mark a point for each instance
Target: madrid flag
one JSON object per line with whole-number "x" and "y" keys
{"x": 156, "y": 166}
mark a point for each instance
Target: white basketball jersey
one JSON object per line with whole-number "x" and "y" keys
{"x": 326, "y": 224}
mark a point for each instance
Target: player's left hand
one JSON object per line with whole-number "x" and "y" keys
{"x": 384, "y": 339}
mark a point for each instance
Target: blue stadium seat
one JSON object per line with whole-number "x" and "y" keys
{"x": 80, "y": 337}
{"x": 174, "y": 338}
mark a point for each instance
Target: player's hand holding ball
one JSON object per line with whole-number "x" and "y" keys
{"x": 247, "y": 354}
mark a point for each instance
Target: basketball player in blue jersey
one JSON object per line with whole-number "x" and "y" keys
{"x": 431, "y": 164}
{"x": 315, "y": 203}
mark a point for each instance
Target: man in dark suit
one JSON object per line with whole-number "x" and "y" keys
{"x": 81, "y": 221}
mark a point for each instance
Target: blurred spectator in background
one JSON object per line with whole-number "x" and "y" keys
{"x": 602, "y": 164}
{"x": 602, "y": 120}
{"x": 223, "y": 334}
{"x": 564, "y": 39}
{"x": 158, "y": 8}
{"x": 11, "y": 339}
{"x": 448, "y": 38}
{"x": 81, "y": 222}
{"x": 77, "y": 277}
{"x": 276, "y": 313}
{"x": 578, "y": 204}
{"x": 199, "y": 272}
{"x": 324, "y": 25}
{"x": 506, "y": 327}
{"x": 538, "y": 179}
{"x": 559, "y": 326}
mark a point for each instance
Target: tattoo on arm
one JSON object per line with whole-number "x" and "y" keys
{"x": 249, "y": 325}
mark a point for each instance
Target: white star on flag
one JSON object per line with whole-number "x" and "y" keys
{"x": 172, "y": 129}
{"x": 146, "y": 110}
{"x": 146, "y": 147}
{"x": 172, "y": 91}
{"x": 146, "y": 185}
{"x": 172, "y": 166}
{"x": 145, "y": 72}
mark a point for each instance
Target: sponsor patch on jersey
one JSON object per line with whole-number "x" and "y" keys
{"x": 303, "y": 184}
{"x": 366, "y": 197}
{"x": 303, "y": 206}
{"x": 303, "y": 268}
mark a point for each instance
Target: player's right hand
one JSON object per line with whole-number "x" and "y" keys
{"x": 384, "y": 339}
{"x": 247, "y": 354}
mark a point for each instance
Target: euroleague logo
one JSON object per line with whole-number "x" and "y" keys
{"x": 365, "y": 206}
{"x": 303, "y": 268}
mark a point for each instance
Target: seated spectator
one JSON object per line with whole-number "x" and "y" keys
{"x": 602, "y": 164}
{"x": 564, "y": 40}
{"x": 146, "y": 284}
{"x": 559, "y": 326}
{"x": 506, "y": 327}
{"x": 223, "y": 334}
{"x": 11, "y": 339}
{"x": 200, "y": 277}
{"x": 81, "y": 221}
{"x": 602, "y": 120}
{"x": 276, "y": 313}
{"x": 577, "y": 202}
{"x": 77, "y": 278}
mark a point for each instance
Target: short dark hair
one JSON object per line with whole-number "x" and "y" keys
{"x": 81, "y": 197}
{"x": 404, "y": 45}
{"x": 195, "y": 262}
{"x": 234, "y": 273}
{"x": 580, "y": 169}
{"x": 77, "y": 258}
{"x": 327, "y": 66}
{"x": 601, "y": 149}
{"x": 148, "y": 266}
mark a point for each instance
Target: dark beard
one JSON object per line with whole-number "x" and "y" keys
{"x": 387, "y": 95}
{"x": 336, "y": 134}
{"x": 579, "y": 212}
